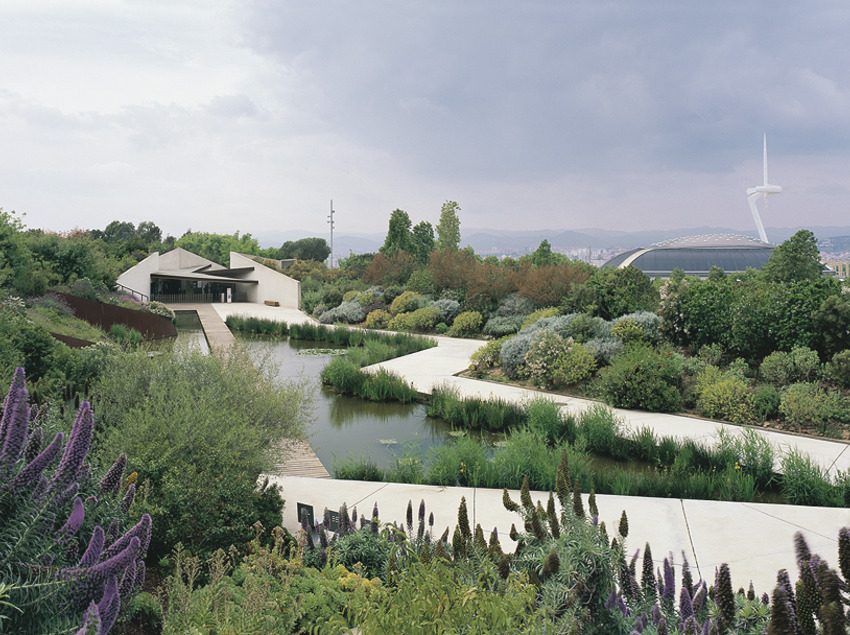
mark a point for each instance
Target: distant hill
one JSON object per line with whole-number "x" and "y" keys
{"x": 511, "y": 242}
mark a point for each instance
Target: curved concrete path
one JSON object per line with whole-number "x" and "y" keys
{"x": 755, "y": 539}
{"x": 439, "y": 366}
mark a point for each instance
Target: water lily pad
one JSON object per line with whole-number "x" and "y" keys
{"x": 387, "y": 441}
{"x": 319, "y": 352}
{"x": 457, "y": 433}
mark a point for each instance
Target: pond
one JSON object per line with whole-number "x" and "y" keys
{"x": 346, "y": 426}
{"x": 190, "y": 333}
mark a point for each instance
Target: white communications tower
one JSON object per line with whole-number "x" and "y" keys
{"x": 753, "y": 194}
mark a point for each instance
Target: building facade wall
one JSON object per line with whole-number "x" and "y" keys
{"x": 138, "y": 278}
{"x": 272, "y": 286}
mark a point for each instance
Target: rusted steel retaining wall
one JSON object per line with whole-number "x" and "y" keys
{"x": 105, "y": 315}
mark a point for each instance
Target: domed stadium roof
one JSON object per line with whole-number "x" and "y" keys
{"x": 696, "y": 255}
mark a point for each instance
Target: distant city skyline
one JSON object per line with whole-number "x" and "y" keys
{"x": 250, "y": 116}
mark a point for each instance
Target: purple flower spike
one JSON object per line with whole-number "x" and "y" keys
{"x": 656, "y": 613}
{"x": 141, "y": 530}
{"x": 109, "y": 604}
{"x": 19, "y": 383}
{"x": 92, "y": 554}
{"x": 40, "y": 488}
{"x": 75, "y": 520}
{"x": 76, "y": 450}
{"x": 67, "y": 495}
{"x": 16, "y": 417}
{"x": 91, "y": 620}
{"x": 93, "y": 578}
{"x": 669, "y": 592}
{"x": 111, "y": 481}
{"x": 129, "y": 497}
{"x": 112, "y": 531}
{"x": 140, "y": 573}
{"x": 33, "y": 471}
{"x": 422, "y": 511}
{"x": 128, "y": 581}
{"x": 373, "y": 524}
{"x": 34, "y": 443}
{"x": 686, "y": 607}
{"x": 431, "y": 519}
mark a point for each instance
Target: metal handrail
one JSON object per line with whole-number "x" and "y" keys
{"x": 142, "y": 297}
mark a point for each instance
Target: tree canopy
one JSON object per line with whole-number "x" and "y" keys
{"x": 448, "y": 229}
{"x": 399, "y": 237}
{"x": 795, "y": 260}
{"x": 304, "y": 249}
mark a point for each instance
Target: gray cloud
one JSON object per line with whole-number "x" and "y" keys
{"x": 251, "y": 115}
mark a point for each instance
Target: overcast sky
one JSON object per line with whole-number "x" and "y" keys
{"x": 250, "y": 115}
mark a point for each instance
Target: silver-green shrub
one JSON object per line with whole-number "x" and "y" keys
{"x": 348, "y": 312}
{"x": 449, "y": 309}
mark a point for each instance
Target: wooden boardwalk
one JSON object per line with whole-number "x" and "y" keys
{"x": 300, "y": 459}
{"x": 218, "y": 335}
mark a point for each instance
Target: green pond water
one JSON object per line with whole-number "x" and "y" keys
{"x": 345, "y": 426}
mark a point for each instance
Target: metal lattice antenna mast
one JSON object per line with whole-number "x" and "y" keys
{"x": 331, "y": 223}
{"x": 765, "y": 189}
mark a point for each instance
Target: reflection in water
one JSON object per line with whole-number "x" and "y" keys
{"x": 344, "y": 426}
{"x": 190, "y": 333}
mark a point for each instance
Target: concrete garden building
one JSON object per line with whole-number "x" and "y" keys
{"x": 181, "y": 276}
{"x": 696, "y": 255}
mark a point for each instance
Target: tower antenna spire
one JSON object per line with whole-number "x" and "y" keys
{"x": 763, "y": 190}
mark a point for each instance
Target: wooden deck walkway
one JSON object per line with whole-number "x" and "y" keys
{"x": 300, "y": 459}
{"x": 218, "y": 335}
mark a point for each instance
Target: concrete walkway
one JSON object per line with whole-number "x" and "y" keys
{"x": 755, "y": 539}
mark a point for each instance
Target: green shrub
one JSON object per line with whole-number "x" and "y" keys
{"x": 407, "y": 302}
{"x": 643, "y": 378}
{"x": 378, "y": 319}
{"x": 466, "y": 324}
{"x": 782, "y": 369}
{"x": 574, "y": 366}
{"x": 425, "y": 319}
{"x": 441, "y": 329}
{"x": 546, "y": 348}
{"x": 628, "y": 330}
{"x": 840, "y": 368}
{"x": 198, "y": 429}
{"x": 539, "y": 314}
{"x": 488, "y": 356}
{"x": 501, "y": 326}
{"x": 438, "y": 593}
{"x": 808, "y": 405}
{"x": 401, "y": 322}
{"x": 726, "y": 399}
{"x": 348, "y": 296}
{"x": 766, "y": 403}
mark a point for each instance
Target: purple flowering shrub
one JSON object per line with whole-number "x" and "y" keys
{"x": 64, "y": 570}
